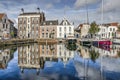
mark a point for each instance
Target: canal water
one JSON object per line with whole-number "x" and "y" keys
{"x": 59, "y": 62}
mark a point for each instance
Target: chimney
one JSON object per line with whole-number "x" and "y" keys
{"x": 22, "y": 10}
{"x": 38, "y": 10}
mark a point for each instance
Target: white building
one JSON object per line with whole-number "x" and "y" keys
{"x": 108, "y": 30}
{"x": 65, "y": 30}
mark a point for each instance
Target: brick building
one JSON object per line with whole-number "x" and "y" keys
{"x": 48, "y": 29}
{"x": 28, "y": 24}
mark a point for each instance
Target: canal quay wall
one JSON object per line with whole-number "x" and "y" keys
{"x": 25, "y": 41}
{"x": 15, "y": 41}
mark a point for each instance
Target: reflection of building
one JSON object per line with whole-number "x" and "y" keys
{"x": 28, "y": 56}
{"x": 48, "y": 51}
{"x": 28, "y": 24}
{"x": 63, "y": 53}
{"x": 34, "y": 56}
{"x": 84, "y": 52}
{"x": 111, "y": 53}
{"x": 5, "y": 57}
{"x": 48, "y": 29}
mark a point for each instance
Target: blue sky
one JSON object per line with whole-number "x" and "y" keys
{"x": 75, "y": 10}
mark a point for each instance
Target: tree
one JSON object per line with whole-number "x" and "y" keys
{"x": 93, "y": 55}
{"x": 93, "y": 28}
{"x": 12, "y": 34}
{"x": 118, "y": 28}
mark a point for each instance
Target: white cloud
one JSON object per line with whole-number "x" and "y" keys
{"x": 57, "y": 1}
{"x": 81, "y": 3}
{"x": 49, "y": 5}
{"x": 110, "y": 5}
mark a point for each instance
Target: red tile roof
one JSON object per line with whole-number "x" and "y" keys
{"x": 1, "y": 15}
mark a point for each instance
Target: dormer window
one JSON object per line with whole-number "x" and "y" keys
{"x": 50, "y": 23}
{"x": 44, "y": 23}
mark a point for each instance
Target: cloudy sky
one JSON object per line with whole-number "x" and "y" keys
{"x": 73, "y": 10}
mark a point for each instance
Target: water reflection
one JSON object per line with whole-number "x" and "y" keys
{"x": 5, "y": 56}
{"x": 34, "y": 56}
{"x": 60, "y": 62}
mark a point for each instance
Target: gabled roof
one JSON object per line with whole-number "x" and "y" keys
{"x": 50, "y": 22}
{"x": 10, "y": 21}
{"x": 65, "y": 22}
{"x": 111, "y": 24}
{"x": 1, "y": 15}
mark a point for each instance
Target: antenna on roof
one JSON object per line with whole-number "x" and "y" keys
{"x": 64, "y": 13}
{"x": 38, "y": 9}
{"x": 22, "y": 10}
{"x": 87, "y": 12}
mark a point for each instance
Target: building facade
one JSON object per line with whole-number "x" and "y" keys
{"x": 48, "y": 29}
{"x": 84, "y": 29}
{"x": 108, "y": 31}
{"x": 65, "y": 30}
{"x": 6, "y": 26}
{"x": 28, "y": 24}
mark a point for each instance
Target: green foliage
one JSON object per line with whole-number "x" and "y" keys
{"x": 93, "y": 28}
{"x": 51, "y": 35}
{"x": 71, "y": 47}
{"x": 119, "y": 28}
{"x": 12, "y": 34}
{"x": 94, "y": 55}
{"x": 118, "y": 53}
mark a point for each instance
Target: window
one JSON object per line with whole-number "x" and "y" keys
{"x": 60, "y": 48}
{"x": 5, "y": 21}
{"x": 32, "y": 20}
{"x": 44, "y": 23}
{"x": 42, "y": 52}
{"x": 47, "y": 46}
{"x": 6, "y": 26}
{"x": 69, "y": 28}
{"x": 70, "y": 53}
{"x": 20, "y": 20}
{"x": 110, "y": 29}
{"x": 59, "y": 34}
{"x": 42, "y": 46}
{"x": 46, "y": 35}
{"x": 28, "y": 19}
{"x": 64, "y": 28}
{"x": 109, "y": 34}
{"x": 28, "y": 26}
{"x": 37, "y": 20}
{"x": 3, "y": 25}
{"x": 50, "y": 23}
{"x": 47, "y": 28}
{"x": 42, "y": 34}
{"x": 42, "y": 29}
{"x": 37, "y": 27}
{"x": 60, "y": 53}
{"x": 32, "y": 26}
{"x": 60, "y": 28}
{"x": 113, "y": 29}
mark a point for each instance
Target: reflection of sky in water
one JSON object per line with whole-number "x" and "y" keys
{"x": 74, "y": 69}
